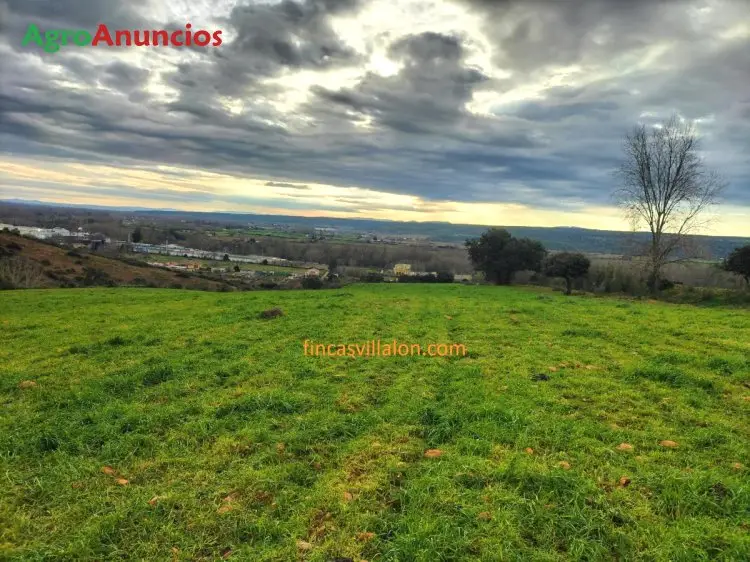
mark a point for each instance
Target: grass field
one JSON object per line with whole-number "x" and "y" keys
{"x": 177, "y": 425}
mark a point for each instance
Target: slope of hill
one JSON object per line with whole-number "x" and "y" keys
{"x": 27, "y": 263}
{"x": 143, "y": 424}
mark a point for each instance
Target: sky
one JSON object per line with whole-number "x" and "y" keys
{"x": 497, "y": 112}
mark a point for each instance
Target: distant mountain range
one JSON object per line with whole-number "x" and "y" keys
{"x": 555, "y": 238}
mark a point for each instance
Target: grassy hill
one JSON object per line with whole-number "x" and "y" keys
{"x": 47, "y": 265}
{"x": 152, "y": 424}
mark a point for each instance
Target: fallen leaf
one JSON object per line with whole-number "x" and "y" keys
{"x": 433, "y": 453}
{"x": 231, "y": 497}
{"x": 366, "y": 536}
{"x": 122, "y": 482}
{"x": 564, "y": 465}
{"x": 154, "y": 500}
{"x": 552, "y": 369}
{"x": 304, "y": 545}
{"x": 624, "y": 447}
{"x": 484, "y": 516}
{"x": 224, "y": 508}
{"x": 348, "y": 497}
{"x": 226, "y": 553}
{"x": 26, "y": 384}
{"x": 109, "y": 471}
{"x": 591, "y": 367}
{"x": 79, "y": 485}
{"x": 448, "y": 317}
{"x": 624, "y": 482}
{"x": 280, "y": 447}
{"x": 737, "y": 466}
{"x": 668, "y": 443}
{"x": 529, "y": 450}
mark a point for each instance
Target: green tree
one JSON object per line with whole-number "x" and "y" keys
{"x": 137, "y": 235}
{"x": 739, "y": 262}
{"x": 567, "y": 265}
{"x": 499, "y": 255}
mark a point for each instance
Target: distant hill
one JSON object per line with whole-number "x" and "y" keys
{"x": 555, "y": 238}
{"x": 38, "y": 264}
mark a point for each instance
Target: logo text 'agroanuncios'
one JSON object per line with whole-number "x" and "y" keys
{"x": 52, "y": 40}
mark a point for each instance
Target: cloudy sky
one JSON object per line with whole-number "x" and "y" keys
{"x": 473, "y": 111}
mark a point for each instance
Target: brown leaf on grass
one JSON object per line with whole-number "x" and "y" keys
{"x": 365, "y": 536}
{"x": 624, "y": 482}
{"x": 564, "y": 365}
{"x": 153, "y": 501}
{"x": 24, "y": 385}
{"x": 77, "y": 485}
{"x": 280, "y": 447}
{"x": 624, "y": 447}
{"x": 565, "y": 465}
{"x": 304, "y": 545}
{"x": 224, "y": 508}
{"x": 231, "y": 497}
{"x": 109, "y": 471}
{"x": 737, "y": 466}
{"x": 591, "y": 367}
{"x": 529, "y": 451}
{"x": 552, "y": 369}
{"x": 484, "y": 516}
{"x": 226, "y": 553}
{"x": 348, "y": 497}
{"x": 668, "y": 443}
{"x": 448, "y": 317}
{"x": 433, "y": 453}
{"x": 122, "y": 482}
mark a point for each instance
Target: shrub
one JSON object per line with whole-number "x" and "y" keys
{"x": 373, "y": 277}
{"x": 445, "y": 277}
{"x": 312, "y": 283}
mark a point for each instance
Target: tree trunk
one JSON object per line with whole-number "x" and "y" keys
{"x": 568, "y": 286}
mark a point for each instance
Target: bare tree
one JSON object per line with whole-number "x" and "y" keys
{"x": 20, "y": 273}
{"x": 666, "y": 186}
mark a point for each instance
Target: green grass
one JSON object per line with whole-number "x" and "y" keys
{"x": 250, "y": 447}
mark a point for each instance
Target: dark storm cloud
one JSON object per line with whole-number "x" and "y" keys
{"x": 410, "y": 132}
{"x": 428, "y": 95}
